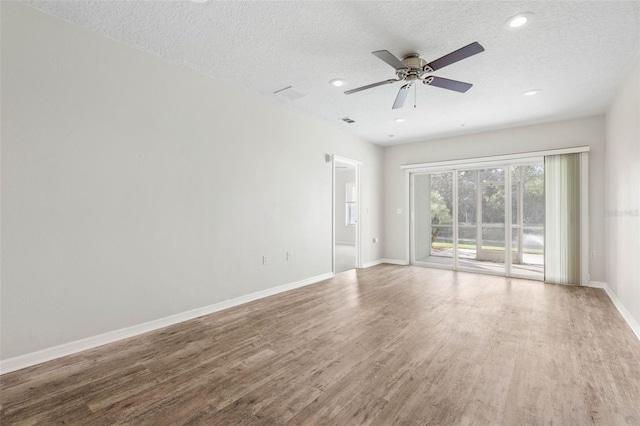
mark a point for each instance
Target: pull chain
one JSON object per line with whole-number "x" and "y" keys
{"x": 415, "y": 95}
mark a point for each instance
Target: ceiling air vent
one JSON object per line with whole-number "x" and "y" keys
{"x": 347, "y": 120}
{"x": 289, "y": 93}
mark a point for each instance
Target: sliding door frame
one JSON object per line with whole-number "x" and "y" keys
{"x": 506, "y": 161}
{"x": 411, "y": 220}
{"x": 454, "y": 170}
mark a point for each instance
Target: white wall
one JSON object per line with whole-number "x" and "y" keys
{"x": 344, "y": 233}
{"x": 622, "y": 207}
{"x": 117, "y": 203}
{"x": 579, "y": 132}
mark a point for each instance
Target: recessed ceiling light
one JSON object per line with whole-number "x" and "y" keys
{"x": 531, "y": 92}
{"x": 337, "y": 82}
{"x": 400, "y": 120}
{"x": 519, "y": 20}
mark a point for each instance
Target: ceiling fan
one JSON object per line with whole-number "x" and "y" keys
{"x": 412, "y": 69}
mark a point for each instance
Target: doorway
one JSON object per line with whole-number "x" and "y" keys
{"x": 346, "y": 214}
{"x": 487, "y": 219}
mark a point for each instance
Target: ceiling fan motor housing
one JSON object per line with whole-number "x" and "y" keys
{"x": 415, "y": 67}
{"x": 412, "y": 68}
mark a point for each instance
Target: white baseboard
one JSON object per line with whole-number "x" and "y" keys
{"x": 380, "y": 261}
{"x": 395, "y": 262}
{"x": 27, "y": 360}
{"x": 633, "y": 323}
{"x": 33, "y": 358}
{"x": 372, "y": 263}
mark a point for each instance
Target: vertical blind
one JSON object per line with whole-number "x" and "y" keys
{"x": 562, "y": 218}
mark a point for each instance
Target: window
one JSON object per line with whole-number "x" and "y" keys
{"x": 351, "y": 208}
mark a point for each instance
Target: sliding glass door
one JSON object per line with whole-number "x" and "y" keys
{"x": 480, "y": 219}
{"x": 468, "y": 239}
{"x": 432, "y": 212}
{"x": 481, "y": 198}
{"x": 527, "y": 219}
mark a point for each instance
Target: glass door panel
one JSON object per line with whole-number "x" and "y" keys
{"x": 492, "y": 247}
{"x": 527, "y": 210}
{"x": 421, "y": 239}
{"x": 467, "y": 217}
{"x": 478, "y": 220}
{"x": 432, "y": 219}
{"x": 441, "y": 198}
{"x": 481, "y": 220}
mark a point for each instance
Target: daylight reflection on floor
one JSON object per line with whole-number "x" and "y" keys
{"x": 532, "y": 266}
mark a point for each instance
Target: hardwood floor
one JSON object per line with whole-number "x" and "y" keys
{"x": 384, "y": 345}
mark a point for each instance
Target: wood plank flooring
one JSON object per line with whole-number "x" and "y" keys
{"x": 384, "y": 345}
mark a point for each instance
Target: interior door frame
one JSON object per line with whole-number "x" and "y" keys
{"x": 358, "y": 240}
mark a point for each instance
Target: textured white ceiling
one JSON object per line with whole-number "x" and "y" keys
{"x": 578, "y": 53}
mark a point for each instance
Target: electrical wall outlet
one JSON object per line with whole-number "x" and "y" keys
{"x": 288, "y": 255}
{"x": 265, "y": 260}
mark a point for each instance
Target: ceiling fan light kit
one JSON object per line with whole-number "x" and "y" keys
{"x": 519, "y": 20}
{"x": 412, "y": 68}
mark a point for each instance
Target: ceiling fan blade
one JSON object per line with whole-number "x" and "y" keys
{"x": 402, "y": 96}
{"x": 388, "y": 57}
{"x": 445, "y": 83}
{"x": 458, "y": 55}
{"x": 369, "y": 86}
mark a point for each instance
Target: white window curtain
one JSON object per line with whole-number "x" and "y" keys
{"x": 562, "y": 218}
